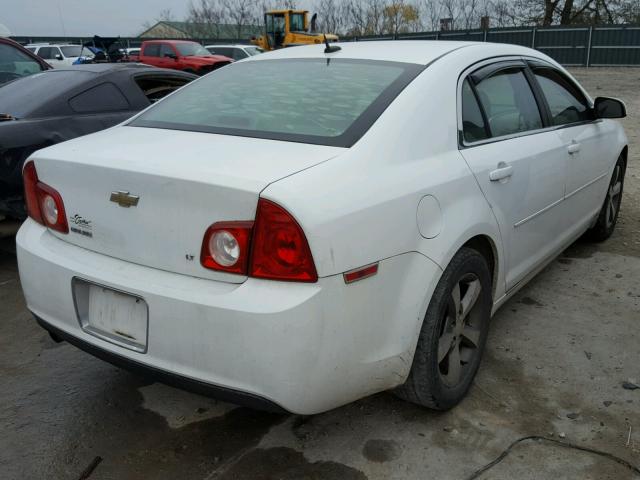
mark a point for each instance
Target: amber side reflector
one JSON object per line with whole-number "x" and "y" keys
{"x": 360, "y": 273}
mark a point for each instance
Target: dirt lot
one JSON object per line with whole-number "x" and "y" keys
{"x": 558, "y": 354}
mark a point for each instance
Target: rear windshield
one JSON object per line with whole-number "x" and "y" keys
{"x": 321, "y": 101}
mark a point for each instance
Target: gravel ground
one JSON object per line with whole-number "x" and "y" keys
{"x": 557, "y": 357}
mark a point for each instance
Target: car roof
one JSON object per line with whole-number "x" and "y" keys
{"x": 46, "y": 94}
{"x": 103, "y": 67}
{"x": 54, "y": 45}
{"x": 421, "y": 52}
{"x": 114, "y": 68}
{"x": 160, "y": 40}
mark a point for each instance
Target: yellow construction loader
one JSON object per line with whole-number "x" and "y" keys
{"x": 288, "y": 28}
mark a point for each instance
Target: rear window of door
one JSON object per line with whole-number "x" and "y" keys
{"x": 508, "y": 103}
{"x": 566, "y": 103}
{"x": 473, "y": 124}
{"x": 105, "y": 97}
{"x": 239, "y": 54}
{"x": 152, "y": 50}
{"x": 47, "y": 53}
{"x": 166, "y": 50}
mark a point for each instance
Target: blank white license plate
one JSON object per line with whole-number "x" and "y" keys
{"x": 113, "y": 316}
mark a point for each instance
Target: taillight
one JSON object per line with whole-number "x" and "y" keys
{"x": 280, "y": 248}
{"x": 30, "y": 179}
{"x": 44, "y": 204}
{"x": 226, "y": 247}
{"x": 272, "y": 247}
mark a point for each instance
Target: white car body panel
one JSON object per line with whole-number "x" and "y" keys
{"x": 290, "y": 343}
{"x": 312, "y": 347}
{"x": 63, "y": 61}
{"x": 155, "y": 170}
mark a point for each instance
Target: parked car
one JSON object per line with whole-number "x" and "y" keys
{"x": 345, "y": 230}
{"x": 181, "y": 55}
{"x": 60, "y": 55}
{"x": 132, "y": 54}
{"x": 236, "y": 52}
{"x": 17, "y": 62}
{"x": 61, "y": 104}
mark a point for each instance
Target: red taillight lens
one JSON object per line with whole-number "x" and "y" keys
{"x": 273, "y": 247}
{"x": 30, "y": 179}
{"x": 279, "y": 247}
{"x": 44, "y": 204}
{"x": 226, "y": 247}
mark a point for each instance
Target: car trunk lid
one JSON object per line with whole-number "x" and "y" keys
{"x": 183, "y": 181}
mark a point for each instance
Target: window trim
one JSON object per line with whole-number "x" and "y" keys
{"x": 587, "y": 101}
{"x": 489, "y": 71}
{"x": 547, "y": 127}
{"x": 99, "y": 112}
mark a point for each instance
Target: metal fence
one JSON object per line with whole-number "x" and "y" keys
{"x": 590, "y": 46}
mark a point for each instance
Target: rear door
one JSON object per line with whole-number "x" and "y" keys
{"x": 150, "y": 54}
{"x": 519, "y": 163}
{"x": 585, "y": 139}
{"x": 168, "y": 56}
{"x": 52, "y": 55}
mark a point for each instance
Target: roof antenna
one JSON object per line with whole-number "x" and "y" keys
{"x": 330, "y": 48}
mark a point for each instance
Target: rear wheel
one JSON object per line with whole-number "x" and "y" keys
{"x": 453, "y": 334}
{"x": 608, "y": 217}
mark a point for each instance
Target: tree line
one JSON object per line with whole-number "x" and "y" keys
{"x": 379, "y": 17}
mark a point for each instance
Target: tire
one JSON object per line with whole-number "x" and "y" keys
{"x": 434, "y": 381}
{"x": 608, "y": 216}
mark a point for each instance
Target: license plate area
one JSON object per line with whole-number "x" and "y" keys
{"x": 112, "y": 315}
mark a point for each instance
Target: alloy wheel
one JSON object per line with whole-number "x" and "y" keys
{"x": 613, "y": 197}
{"x": 459, "y": 340}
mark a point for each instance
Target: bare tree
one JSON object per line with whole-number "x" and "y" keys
{"x": 330, "y": 16}
{"x": 399, "y": 16}
{"x": 165, "y": 15}
{"x": 204, "y": 18}
{"x": 431, "y": 11}
{"x": 241, "y": 13}
{"x": 356, "y": 17}
{"x": 375, "y": 16}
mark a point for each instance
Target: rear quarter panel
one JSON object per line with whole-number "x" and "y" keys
{"x": 361, "y": 206}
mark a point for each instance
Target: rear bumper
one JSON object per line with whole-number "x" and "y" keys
{"x": 304, "y": 348}
{"x": 169, "y": 378}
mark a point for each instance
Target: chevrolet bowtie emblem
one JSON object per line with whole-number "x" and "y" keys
{"x": 124, "y": 199}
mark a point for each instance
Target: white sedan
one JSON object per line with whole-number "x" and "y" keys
{"x": 347, "y": 227}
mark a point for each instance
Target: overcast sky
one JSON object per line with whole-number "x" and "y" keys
{"x": 84, "y": 17}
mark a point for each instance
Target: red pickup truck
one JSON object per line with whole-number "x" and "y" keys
{"x": 181, "y": 55}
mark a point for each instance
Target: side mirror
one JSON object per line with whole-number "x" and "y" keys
{"x": 606, "y": 107}
{"x": 58, "y": 57}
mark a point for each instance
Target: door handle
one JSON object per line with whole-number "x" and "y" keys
{"x": 503, "y": 171}
{"x": 573, "y": 148}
